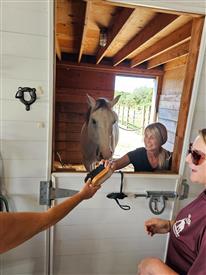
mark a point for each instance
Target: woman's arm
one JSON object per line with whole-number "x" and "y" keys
{"x": 154, "y": 266}
{"x": 158, "y": 226}
{"x": 15, "y": 228}
{"x": 120, "y": 163}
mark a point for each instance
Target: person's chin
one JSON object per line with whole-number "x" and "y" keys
{"x": 193, "y": 176}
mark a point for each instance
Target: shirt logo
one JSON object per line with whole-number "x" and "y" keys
{"x": 179, "y": 225}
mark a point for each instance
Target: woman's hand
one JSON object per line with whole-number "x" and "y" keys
{"x": 156, "y": 225}
{"x": 89, "y": 190}
{"x": 109, "y": 163}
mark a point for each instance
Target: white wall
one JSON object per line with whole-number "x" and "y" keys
{"x": 24, "y": 135}
{"x": 100, "y": 238}
{"x": 24, "y": 62}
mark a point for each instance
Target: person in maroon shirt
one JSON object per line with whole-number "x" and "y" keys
{"x": 187, "y": 245}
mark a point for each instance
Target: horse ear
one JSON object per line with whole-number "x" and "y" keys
{"x": 91, "y": 101}
{"x": 114, "y": 101}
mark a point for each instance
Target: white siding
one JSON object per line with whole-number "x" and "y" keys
{"x": 100, "y": 238}
{"x": 24, "y": 63}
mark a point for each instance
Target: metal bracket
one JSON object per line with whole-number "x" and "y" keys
{"x": 48, "y": 193}
{"x": 157, "y": 202}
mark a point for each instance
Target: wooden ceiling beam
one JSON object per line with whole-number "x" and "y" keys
{"x": 176, "y": 63}
{"x": 85, "y": 28}
{"x": 122, "y": 19}
{"x": 114, "y": 70}
{"x": 171, "y": 40}
{"x": 158, "y": 23}
{"x": 169, "y": 55}
{"x": 57, "y": 48}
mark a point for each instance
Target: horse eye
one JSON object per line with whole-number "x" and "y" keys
{"x": 94, "y": 121}
{"x": 114, "y": 121}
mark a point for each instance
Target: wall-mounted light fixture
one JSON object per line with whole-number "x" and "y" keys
{"x": 103, "y": 37}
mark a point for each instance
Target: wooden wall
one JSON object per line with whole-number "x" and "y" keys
{"x": 72, "y": 86}
{"x": 170, "y": 97}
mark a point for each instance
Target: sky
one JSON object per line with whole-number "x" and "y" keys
{"x": 128, "y": 84}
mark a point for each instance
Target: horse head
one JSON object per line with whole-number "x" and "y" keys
{"x": 99, "y": 135}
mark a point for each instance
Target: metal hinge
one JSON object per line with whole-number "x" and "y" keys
{"x": 48, "y": 193}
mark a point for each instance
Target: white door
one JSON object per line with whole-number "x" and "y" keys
{"x": 98, "y": 237}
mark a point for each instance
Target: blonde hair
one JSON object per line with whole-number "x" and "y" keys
{"x": 160, "y": 132}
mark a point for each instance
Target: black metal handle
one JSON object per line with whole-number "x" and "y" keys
{"x": 4, "y": 203}
{"x": 20, "y": 95}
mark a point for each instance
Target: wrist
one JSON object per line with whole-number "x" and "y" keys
{"x": 169, "y": 225}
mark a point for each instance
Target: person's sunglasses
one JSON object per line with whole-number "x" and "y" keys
{"x": 196, "y": 156}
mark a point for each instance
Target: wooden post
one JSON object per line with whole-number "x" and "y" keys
{"x": 197, "y": 27}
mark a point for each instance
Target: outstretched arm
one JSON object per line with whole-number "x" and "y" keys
{"x": 117, "y": 163}
{"x": 15, "y": 228}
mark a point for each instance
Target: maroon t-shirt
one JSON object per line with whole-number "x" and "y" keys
{"x": 187, "y": 244}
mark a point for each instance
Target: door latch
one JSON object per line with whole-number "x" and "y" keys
{"x": 49, "y": 193}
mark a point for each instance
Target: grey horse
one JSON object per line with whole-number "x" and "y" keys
{"x": 100, "y": 132}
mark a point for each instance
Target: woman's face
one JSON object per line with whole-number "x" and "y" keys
{"x": 150, "y": 141}
{"x": 198, "y": 172}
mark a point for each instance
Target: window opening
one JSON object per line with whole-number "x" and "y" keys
{"x": 135, "y": 111}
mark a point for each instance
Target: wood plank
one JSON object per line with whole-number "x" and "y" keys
{"x": 168, "y": 114}
{"x": 176, "y": 63}
{"x": 123, "y": 18}
{"x": 67, "y": 136}
{"x": 85, "y": 28}
{"x": 170, "y": 97}
{"x": 169, "y": 105}
{"x": 71, "y": 118}
{"x": 169, "y": 124}
{"x": 81, "y": 91}
{"x": 165, "y": 43}
{"x": 157, "y": 24}
{"x": 171, "y": 136}
{"x": 187, "y": 90}
{"x": 159, "y": 91}
{"x": 138, "y": 71}
{"x": 70, "y": 108}
{"x": 63, "y": 126}
{"x": 169, "y": 55}
{"x": 57, "y": 44}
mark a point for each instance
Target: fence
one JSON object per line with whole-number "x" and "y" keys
{"x": 133, "y": 118}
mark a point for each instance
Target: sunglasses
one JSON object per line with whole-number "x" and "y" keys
{"x": 196, "y": 156}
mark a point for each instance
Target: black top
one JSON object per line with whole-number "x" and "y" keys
{"x": 139, "y": 160}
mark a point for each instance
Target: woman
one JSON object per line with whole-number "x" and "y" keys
{"x": 152, "y": 156}
{"x": 16, "y": 228}
{"x": 187, "y": 244}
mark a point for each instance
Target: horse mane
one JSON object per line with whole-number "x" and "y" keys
{"x": 100, "y": 103}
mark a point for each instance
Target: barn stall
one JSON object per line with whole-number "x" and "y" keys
{"x": 98, "y": 237}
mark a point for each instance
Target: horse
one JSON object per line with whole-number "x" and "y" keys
{"x": 100, "y": 132}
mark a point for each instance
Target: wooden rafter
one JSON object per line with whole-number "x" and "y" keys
{"x": 121, "y": 20}
{"x": 158, "y": 23}
{"x": 169, "y": 55}
{"x": 187, "y": 90}
{"x": 57, "y": 48}
{"x": 176, "y": 63}
{"x": 165, "y": 43}
{"x": 117, "y": 70}
{"x": 84, "y": 31}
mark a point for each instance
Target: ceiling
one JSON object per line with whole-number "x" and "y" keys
{"x": 136, "y": 36}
